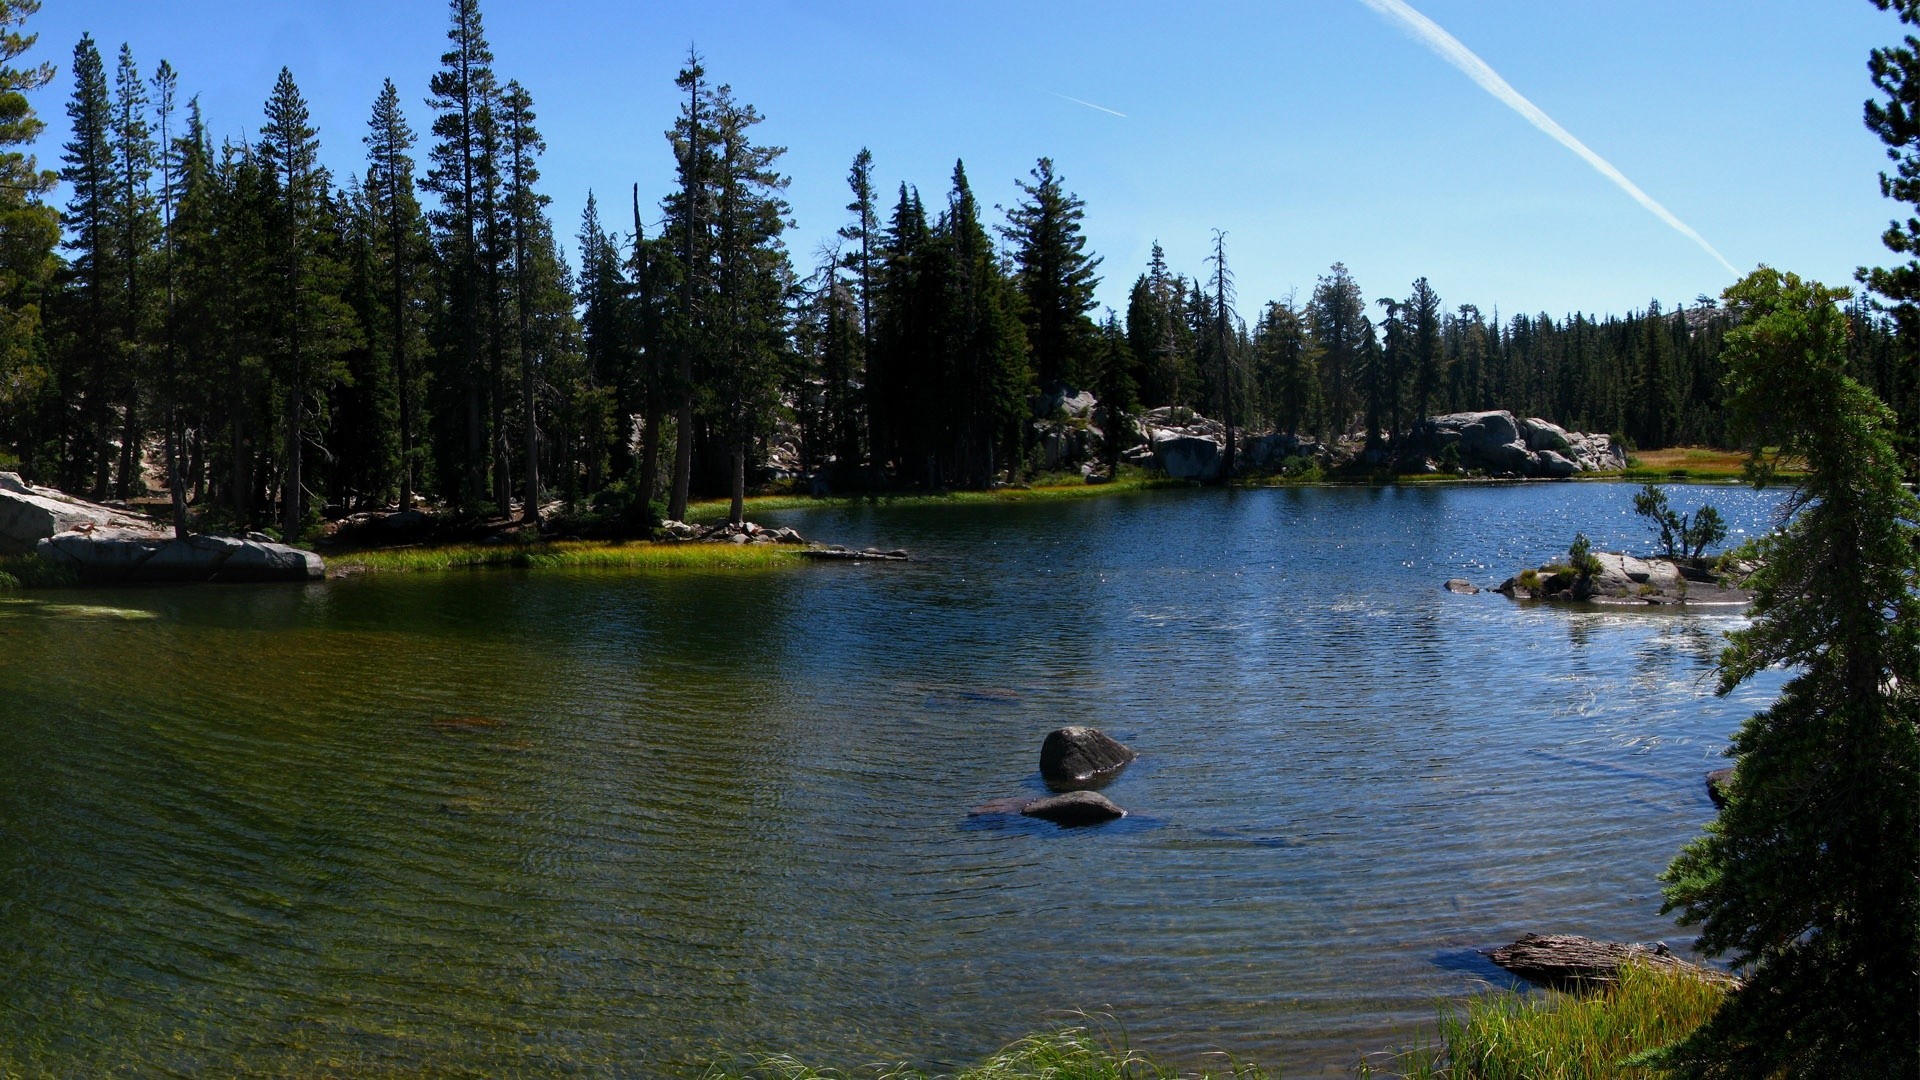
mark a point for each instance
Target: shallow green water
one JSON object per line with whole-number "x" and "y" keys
{"x": 498, "y": 823}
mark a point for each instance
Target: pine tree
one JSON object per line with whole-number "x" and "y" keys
{"x": 862, "y": 260}
{"x": 1285, "y": 367}
{"x": 902, "y": 360}
{"x": 171, "y": 160}
{"x": 689, "y": 214}
{"x": 1055, "y": 276}
{"x": 1337, "y": 314}
{"x": 92, "y": 274}
{"x": 463, "y": 91}
{"x": 525, "y": 209}
{"x": 1896, "y": 120}
{"x": 750, "y": 274}
{"x": 1810, "y": 875}
{"x": 1428, "y": 362}
{"x": 1118, "y": 394}
{"x": 400, "y": 253}
{"x": 1225, "y": 359}
{"x": 29, "y": 229}
{"x": 313, "y": 326}
{"x": 134, "y": 229}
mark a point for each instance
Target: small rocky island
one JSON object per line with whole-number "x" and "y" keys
{"x": 1623, "y": 580}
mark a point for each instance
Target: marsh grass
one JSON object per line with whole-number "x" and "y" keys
{"x": 1046, "y": 489}
{"x": 1558, "y": 1036}
{"x": 33, "y": 572}
{"x": 1068, "y": 1053}
{"x": 582, "y": 554}
{"x": 1696, "y": 463}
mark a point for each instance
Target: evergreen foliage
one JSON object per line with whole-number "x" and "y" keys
{"x": 1895, "y": 118}
{"x": 1810, "y": 876}
{"x": 422, "y": 334}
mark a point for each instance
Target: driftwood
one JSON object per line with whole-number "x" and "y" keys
{"x": 1565, "y": 961}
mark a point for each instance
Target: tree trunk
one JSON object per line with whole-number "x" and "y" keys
{"x": 737, "y": 510}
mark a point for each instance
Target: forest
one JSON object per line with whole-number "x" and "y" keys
{"x": 280, "y": 343}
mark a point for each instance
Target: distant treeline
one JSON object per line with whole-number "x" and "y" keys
{"x": 288, "y": 340}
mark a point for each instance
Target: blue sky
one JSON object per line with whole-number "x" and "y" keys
{"x": 1309, "y": 131}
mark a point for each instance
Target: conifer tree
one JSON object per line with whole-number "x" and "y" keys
{"x": 525, "y": 209}
{"x": 1810, "y": 875}
{"x": 750, "y": 275}
{"x": 171, "y": 159}
{"x": 399, "y": 252}
{"x": 1428, "y": 362}
{"x": 312, "y": 326}
{"x": 463, "y": 90}
{"x": 1895, "y": 118}
{"x": 92, "y": 272}
{"x": 689, "y": 213}
{"x": 29, "y": 229}
{"x": 134, "y": 230}
{"x": 1285, "y": 367}
{"x": 1153, "y": 332}
{"x": 903, "y": 361}
{"x": 1055, "y": 276}
{"x": 1337, "y": 314}
{"x": 862, "y": 261}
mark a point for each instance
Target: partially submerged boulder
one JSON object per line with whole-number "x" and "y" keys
{"x": 1072, "y": 758}
{"x": 1074, "y": 808}
{"x": 1717, "y": 782}
{"x": 1568, "y": 961}
{"x": 110, "y": 557}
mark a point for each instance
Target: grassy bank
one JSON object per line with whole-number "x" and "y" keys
{"x": 587, "y": 554}
{"x": 32, "y": 572}
{"x": 1044, "y": 489}
{"x": 1508, "y": 1036}
{"x": 1695, "y": 463}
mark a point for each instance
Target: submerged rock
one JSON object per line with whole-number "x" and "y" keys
{"x": 1081, "y": 757}
{"x": 1074, "y": 808}
{"x": 1461, "y": 586}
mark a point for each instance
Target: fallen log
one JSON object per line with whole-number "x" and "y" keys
{"x": 1567, "y": 961}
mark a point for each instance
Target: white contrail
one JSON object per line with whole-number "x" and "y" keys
{"x": 1453, "y": 52}
{"x": 1089, "y": 104}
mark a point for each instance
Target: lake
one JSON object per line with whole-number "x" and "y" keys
{"x": 503, "y": 823}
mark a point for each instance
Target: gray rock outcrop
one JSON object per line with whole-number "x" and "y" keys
{"x": 30, "y": 514}
{"x": 1624, "y": 579}
{"x": 1072, "y": 758}
{"x": 1499, "y": 444}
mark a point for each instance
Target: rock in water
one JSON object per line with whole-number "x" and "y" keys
{"x": 1072, "y": 758}
{"x": 1461, "y": 586}
{"x": 1074, "y": 808}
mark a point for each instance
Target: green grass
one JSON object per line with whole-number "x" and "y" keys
{"x": 1044, "y": 489}
{"x": 33, "y": 572}
{"x": 1556, "y": 1036}
{"x": 586, "y": 554}
{"x": 1069, "y": 1053}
